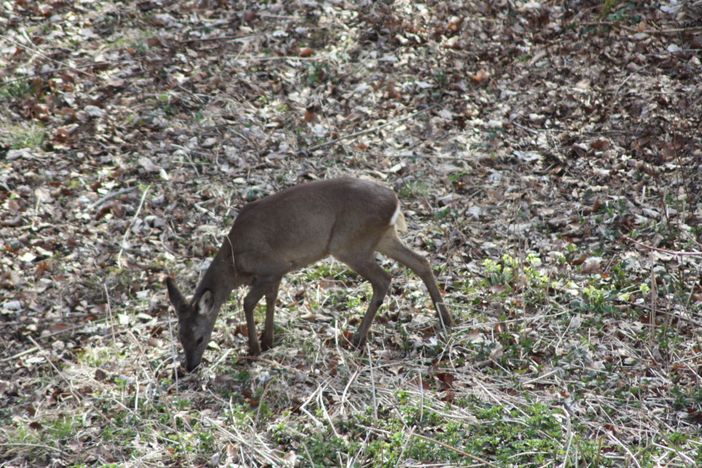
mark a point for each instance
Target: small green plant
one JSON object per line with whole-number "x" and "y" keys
{"x": 608, "y": 6}
{"x": 502, "y": 271}
{"x": 596, "y": 298}
{"x": 323, "y": 448}
{"x": 31, "y": 136}
{"x": 97, "y": 356}
{"x": 317, "y": 73}
{"x": 677, "y": 439}
{"x": 166, "y": 103}
{"x": 13, "y": 89}
{"x": 538, "y": 281}
{"x": 63, "y": 428}
{"x": 440, "y": 79}
{"x": 414, "y": 189}
{"x": 326, "y": 270}
{"x": 613, "y": 10}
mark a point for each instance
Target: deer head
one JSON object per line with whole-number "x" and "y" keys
{"x": 195, "y": 322}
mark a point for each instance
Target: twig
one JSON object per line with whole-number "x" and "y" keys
{"x": 454, "y": 449}
{"x": 628, "y": 452}
{"x": 36, "y": 51}
{"x": 680, "y": 253}
{"x": 109, "y": 314}
{"x": 280, "y": 57}
{"x": 652, "y": 315}
{"x": 346, "y": 389}
{"x": 220, "y": 38}
{"x": 366, "y": 131}
{"x": 406, "y": 442}
{"x": 20, "y": 354}
{"x": 320, "y": 402}
{"x": 129, "y": 228}
{"x": 437, "y": 442}
{"x": 304, "y": 409}
{"x": 665, "y": 312}
{"x": 671, "y": 30}
{"x": 541, "y": 377}
{"x": 186, "y": 153}
{"x": 372, "y": 379}
{"x": 112, "y": 195}
{"x": 69, "y": 383}
{"x": 24, "y": 444}
{"x": 645, "y": 31}
{"x": 268, "y": 454}
{"x": 569, "y": 435}
{"x": 421, "y": 396}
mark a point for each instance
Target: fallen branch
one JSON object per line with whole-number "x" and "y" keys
{"x": 112, "y": 195}
{"x": 680, "y": 253}
{"x": 366, "y": 131}
{"x": 129, "y": 228}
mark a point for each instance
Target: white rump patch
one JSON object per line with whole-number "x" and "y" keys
{"x": 395, "y": 215}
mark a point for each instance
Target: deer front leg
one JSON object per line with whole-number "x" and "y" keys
{"x": 250, "y": 301}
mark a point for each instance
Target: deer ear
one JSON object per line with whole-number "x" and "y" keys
{"x": 175, "y": 296}
{"x": 204, "y": 305}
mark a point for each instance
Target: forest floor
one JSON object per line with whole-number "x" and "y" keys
{"x": 548, "y": 158}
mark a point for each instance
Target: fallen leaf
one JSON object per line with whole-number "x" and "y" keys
{"x": 480, "y": 77}
{"x": 306, "y": 52}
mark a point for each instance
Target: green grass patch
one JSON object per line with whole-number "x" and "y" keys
{"x": 14, "y": 89}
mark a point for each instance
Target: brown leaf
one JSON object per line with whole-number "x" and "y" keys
{"x": 454, "y": 24}
{"x": 592, "y": 265}
{"x": 41, "y": 268}
{"x": 40, "y": 111}
{"x": 579, "y": 260}
{"x": 446, "y": 379}
{"x": 393, "y": 93}
{"x": 100, "y": 375}
{"x": 249, "y": 16}
{"x": 63, "y": 136}
{"x": 480, "y": 77}
{"x": 600, "y": 144}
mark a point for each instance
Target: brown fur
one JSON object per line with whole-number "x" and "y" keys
{"x": 347, "y": 218}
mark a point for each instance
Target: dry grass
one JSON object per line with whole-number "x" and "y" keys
{"x": 556, "y": 193}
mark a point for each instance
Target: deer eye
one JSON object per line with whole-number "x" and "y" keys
{"x": 199, "y": 340}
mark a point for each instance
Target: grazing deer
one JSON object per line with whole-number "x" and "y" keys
{"x": 347, "y": 218}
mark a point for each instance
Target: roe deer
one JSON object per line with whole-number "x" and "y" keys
{"x": 347, "y": 218}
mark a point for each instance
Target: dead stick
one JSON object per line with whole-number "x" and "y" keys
{"x": 366, "y": 131}
{"x": 681, "y": 253}
{"x": 129, "y": 228}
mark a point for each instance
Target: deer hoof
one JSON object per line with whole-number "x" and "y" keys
{"x": 266, "y": 344}
{"x": 358, "y": 341}
{"x": 254, "y": 350}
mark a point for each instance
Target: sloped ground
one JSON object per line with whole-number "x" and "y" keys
{"x": 548, "y": 159}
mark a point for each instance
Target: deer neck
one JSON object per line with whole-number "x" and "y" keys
{"x": 220, "y": 277}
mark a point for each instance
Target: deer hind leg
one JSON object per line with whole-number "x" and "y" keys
{"x": 379, "y": 279}
{"x": 392, "y": 247}
{"x": 271, "y": 295}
